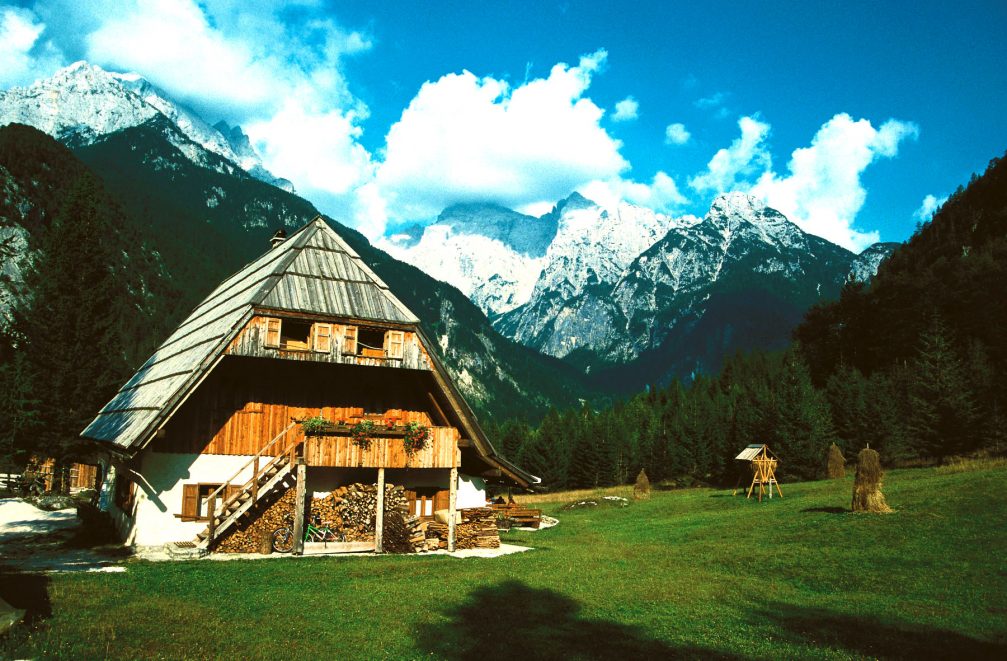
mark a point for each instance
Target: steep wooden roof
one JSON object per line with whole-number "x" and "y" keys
{"x": 313, "y": 271}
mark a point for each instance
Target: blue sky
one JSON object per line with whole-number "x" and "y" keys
{"x": 366, "y": 106}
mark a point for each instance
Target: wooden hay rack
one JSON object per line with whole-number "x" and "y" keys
{"x": 763, "y": 465}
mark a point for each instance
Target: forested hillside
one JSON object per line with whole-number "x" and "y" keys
{"x": 88, "y": 296}
{"x": 913, "y": 364}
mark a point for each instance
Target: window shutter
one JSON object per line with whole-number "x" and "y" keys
{"x": 322, "y": 342}
{"x": 272, "y": 338}
{"x": 350, "y": 340}
{"x": 442, "y": 499}
{"x": 393, "y": 343}
{"x": 230, "y": 490}
{"x": 190, "y": 501}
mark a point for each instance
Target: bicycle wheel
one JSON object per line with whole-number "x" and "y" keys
{"x": 283, "y": 540}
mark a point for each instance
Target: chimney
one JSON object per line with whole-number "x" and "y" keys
{"x": 278, "y": 238}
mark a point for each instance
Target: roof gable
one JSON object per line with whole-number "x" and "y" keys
{"x": 314, "y": 271}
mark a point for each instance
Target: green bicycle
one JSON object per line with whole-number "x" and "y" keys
{"x": 315, "y": 531}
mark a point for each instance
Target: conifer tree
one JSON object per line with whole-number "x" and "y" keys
{"x": 75, "y": 325}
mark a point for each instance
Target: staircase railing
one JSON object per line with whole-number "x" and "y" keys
{"x": 251, "y": 485}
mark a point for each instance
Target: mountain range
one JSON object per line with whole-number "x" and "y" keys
{"x": 633, "y": 291}
{"x": 529, "y": 312}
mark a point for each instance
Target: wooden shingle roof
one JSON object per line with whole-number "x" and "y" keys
{"x": 314, "y": 272}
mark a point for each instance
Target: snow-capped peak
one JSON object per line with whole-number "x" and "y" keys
{"x": 82, "y": 102}
{"x": 732, "y": 212}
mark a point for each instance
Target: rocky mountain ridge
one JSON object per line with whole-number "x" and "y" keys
{"x": 81, "y": 103}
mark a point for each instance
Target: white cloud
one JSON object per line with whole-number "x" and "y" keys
{"x": 661, "y": 194}
{"x": 713, "y": 101}
{"x": 929, "y": 207}
{"x": 465, "y": 137}
{"x": 746, "y": 156}
{"x": 23, "y": 58}
{"x": 823, "y": 192}
{"x": 676, "y": 134}
{"x": 273, "y": 66}
{"x": 626, "y": 110}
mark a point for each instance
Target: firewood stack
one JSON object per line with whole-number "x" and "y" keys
{"x": 351, "y": 509}
{"x": 246, "y": 535}
{"x": 478, "y": 530}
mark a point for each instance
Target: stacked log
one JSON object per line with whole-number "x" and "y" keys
{"x": 477, "y": 530}
{"x": 262, "y": 519}
{"x": 350, "y": 511}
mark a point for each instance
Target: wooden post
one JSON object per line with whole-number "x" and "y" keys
{"x": 299, "y": 508}
{"x": 452, "y": 508}
{"x": 379, "y": 515}
{"x": 255, "y": 479}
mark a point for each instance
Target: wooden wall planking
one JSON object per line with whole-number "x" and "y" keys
{"x": 246, "y": 402}
{"x": 441, "y": 452}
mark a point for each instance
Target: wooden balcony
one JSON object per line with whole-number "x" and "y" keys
{"x": 383, "y": 452}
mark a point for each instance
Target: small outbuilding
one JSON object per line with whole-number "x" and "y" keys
{"x": 763, "y": 464}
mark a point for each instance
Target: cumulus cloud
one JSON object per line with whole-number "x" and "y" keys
{"x": 661, "y": 194}
{"x": 273, "y": 66}
{"x": 929, "y": 207}
{"x": 465, "y": 137}
{"x": 729, "y": 167}
{"x": 676, "y": 134}
{"x": 626, "y": 110}
{"x": 24, "y": 57}
{"x": 822, "y": 191}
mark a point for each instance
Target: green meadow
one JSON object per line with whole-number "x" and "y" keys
{"x": 693, "y": 573}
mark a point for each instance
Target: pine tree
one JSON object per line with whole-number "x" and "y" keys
{"x": 944, "y": 413}
{"x": 76, "y": 326}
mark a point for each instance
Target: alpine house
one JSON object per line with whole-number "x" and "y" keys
{"x": 213, "y": 422}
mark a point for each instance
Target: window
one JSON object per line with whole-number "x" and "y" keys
{"x": 196, "y": 507}
{"x": 371, "y": 342}
{"x": 393, "y": 343}
{"x": 295, "y": 335}
{"x": 125, "y": 492}
{"x": 322, "y": 337}
{"x": 424, "y": 501}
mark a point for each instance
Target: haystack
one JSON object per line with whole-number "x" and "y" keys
{"x": 836, "y": 463}
{"x": 641, "y": 490}
{"x": 867, "y": 496}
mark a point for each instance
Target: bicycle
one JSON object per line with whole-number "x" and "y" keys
{"x": 315, "y": 531}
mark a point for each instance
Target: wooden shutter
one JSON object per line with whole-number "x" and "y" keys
{"x": 190, "y": 501}
{"x": 393, "y": 343}
{"x": 272, "y": 336}
{"x": 350, "y": 340}
{"x": 442, "y": 499}
{"x": 230, "y": 490}
{"x": 322, "y": 340}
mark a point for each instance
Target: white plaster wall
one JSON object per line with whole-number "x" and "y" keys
{"x": 159, "y": 493}
{"x": 471, "y": 492}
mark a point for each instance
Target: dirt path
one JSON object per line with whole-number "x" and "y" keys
{"x": 33, "y": 540}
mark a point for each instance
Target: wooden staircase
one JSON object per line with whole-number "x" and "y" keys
{"x": 268, "y": 473}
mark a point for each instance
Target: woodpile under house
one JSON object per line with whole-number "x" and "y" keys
{"x": 300, "y": 384}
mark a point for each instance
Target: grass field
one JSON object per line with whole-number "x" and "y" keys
{"x": 687, "y": 573}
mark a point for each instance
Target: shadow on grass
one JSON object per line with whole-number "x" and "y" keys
{"x": 514, "y": 621}
{"x": 888, "y": 638}
{"x": 827, "y": 510}
{"x": 26, "y": 591}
